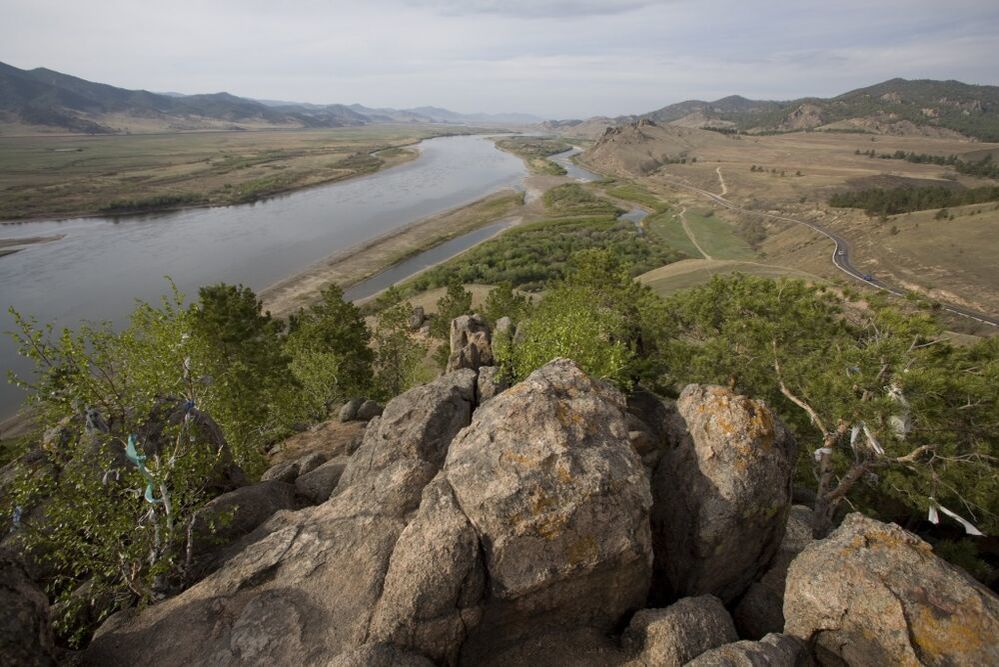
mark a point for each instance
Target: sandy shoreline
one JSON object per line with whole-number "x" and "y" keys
{"x": 368, "y": 258}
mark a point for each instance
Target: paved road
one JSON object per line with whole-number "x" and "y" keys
{"x": 840, "y": 255}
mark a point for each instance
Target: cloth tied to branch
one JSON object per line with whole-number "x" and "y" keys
{"x": 140, "y": 462}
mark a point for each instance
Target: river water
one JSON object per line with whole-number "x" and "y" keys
{"x": 103, "y": 265}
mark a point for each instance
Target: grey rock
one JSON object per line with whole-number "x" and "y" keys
{"x": 317, "y": 485}
{"x": 282, "y": 472}
{"x": 546, "y": 476}
{"x": 471, "y": 343}
{"x": 774, "y": 650}
{"x": 378, "y": 655}
{"x": 679, "y": 633}
{"x": 435, "y": 580}
{"x": 417, "y": 318}
{"x": 490, "y": 383}
{"x": 289, "y": 471}
{"x": 874, "y": 594}
{"x": 761, "y": 610}
{"x": 368, "y": 410}
{"x": 232, "y": 515}
{"x": 504, "y": 327}
{"x": 348, "y": 412}
{"x": 25, "y": 634}
{"x": 310, "y": 462}
{"x": 303, "y": 588}
{"x": 655, "y": 413}
{"x": 722, "y": 493}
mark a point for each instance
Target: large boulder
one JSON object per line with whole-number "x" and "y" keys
{"x": 25, "y": 634}
{"x": 368, "y": 410}
{"x": 774, "y": 650}
{"x": 471, "y": 343}
{"x": 348, "y": 411}
{"x": 874, "y": 594}
{"x": 722, "y": 492}
{"x": 673, "y": 636}
{"x": 317, "y": 485}
{"x": 490, "y": 383}
{"x": 761, "y": 610}
{"x": 303, "y": 589}
{"x": 560, "y": 501}
{"x": 435, "y": 581}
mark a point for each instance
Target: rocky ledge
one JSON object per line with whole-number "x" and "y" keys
{"x": 556, "y": 522}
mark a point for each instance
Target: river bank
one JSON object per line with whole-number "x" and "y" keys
{"x": 46, "y": 178}
{"x": 369, "y": 258}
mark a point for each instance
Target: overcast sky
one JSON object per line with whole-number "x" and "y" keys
{"x": 557, "y": 59}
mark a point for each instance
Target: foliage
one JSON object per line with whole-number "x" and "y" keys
{"x": 535, "y": 150}
{"x": 931, "y": 410}
{"x": 600, "y": 318}
{"x": 984, "y": 167}
{"x": 397, "y": 355}
{"x": 242, "y": 349}
{"x": 330, "y": 353}
{"x": 882, "y": 201}
{"x": 530, "y": 256}
{"x": 502, "y": 301}
{"x": 98, "y": 387}
{"x": 572, "y": 199}
{"x": 457, "y": 301}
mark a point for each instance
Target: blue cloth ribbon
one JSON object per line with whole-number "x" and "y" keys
{"x": 140, "y": 462}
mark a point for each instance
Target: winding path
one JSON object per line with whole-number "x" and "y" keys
{"x": 721, "y": 179}
{"x": 840, "y": 254}
{"x": 690, "y": 234}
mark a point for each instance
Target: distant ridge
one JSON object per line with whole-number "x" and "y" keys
{"x": 49, "y": 100}
{"x": 896, "y": 106}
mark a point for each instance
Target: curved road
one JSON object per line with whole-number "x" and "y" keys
{"x": 840, "y": 254}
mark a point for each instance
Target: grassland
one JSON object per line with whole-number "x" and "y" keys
{"x": 693, "y": 272}
{"x": 59, "y": 176}
{"x": 794, "y": 175}
{"x": 718, "y": 237}
{"x": 668, "y": 228}
{"x": 534, "y": 151}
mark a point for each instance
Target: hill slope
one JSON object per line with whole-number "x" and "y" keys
{"x": 47, "y": 100}
{"x": 896, "y": 107}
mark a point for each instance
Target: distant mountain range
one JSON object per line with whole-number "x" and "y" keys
{"x": 48, "y": 100}
{"x": 897, "y": 106}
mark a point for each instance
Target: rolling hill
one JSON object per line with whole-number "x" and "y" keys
{"x": 897, "y": 107}
{"x": 45, "y": 100}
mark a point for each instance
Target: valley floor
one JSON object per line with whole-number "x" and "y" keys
{"x": 46, "y": 177}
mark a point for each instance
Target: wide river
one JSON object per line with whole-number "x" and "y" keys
{"x": 103, "y": 265}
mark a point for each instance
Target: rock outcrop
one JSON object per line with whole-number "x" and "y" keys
{"x": 761, "y": 610}
{"x": 774, "y": 649}
{"x": 533, "y": 520}
{"x": 25, "y": 635}
{"x": 722, "y": 493}
{"x": 673, "y": 636}
{"x": 874, "y": 594}
{"x": 561, "y": 503}
{"x": 303, "y": 592}
{"x": 318, "y": 484}
{"x": 471, "y": 343}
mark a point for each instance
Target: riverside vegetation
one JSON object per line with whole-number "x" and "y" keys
{"x": 210, "y": 387}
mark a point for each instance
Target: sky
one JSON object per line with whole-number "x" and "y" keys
{"x": 555, "y": 59}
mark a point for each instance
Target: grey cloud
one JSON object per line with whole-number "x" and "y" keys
{"x": 529, "y": 9}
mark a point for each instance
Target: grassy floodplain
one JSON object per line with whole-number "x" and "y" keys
{"x": 61, "y": 176}
{"x": 534, "y": 151}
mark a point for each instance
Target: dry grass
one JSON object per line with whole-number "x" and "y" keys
{"x": 60, "y": 176}
{"x": 693, "y": 272}
{"x": 951, "y": 260}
